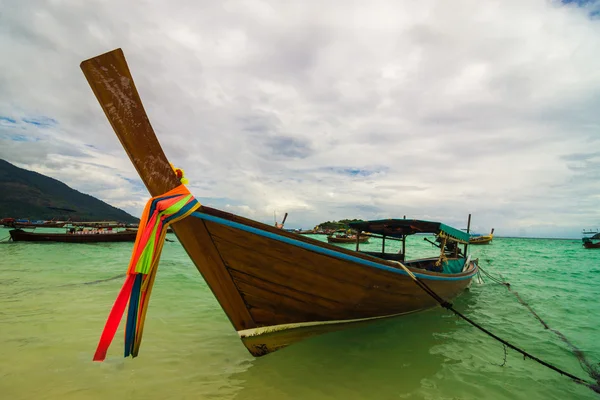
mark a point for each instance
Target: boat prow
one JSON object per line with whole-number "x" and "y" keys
{"x": 482, "y": 239}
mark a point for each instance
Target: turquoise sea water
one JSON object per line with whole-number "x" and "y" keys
{"x": 52, "y": 312}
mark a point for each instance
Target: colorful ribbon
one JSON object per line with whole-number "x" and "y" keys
{"x": 159, "y": 213}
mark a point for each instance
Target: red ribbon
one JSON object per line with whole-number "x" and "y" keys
{"x": 114, "y": 318}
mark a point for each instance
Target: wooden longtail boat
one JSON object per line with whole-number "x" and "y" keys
{"x": 309, "y": 232}
{"x": 277, "y": 287}
{"x": 482, "y": 239}
{"x": 344, "y": 238}
{"x": 280, "y": 226}
{"x": 39, "y": 225}
{"x": 19, "y": 224}
{"x": 591, "y": 245}
{"x": 18, "y": 235}
{"x": 96, "y": 224}
{"x": 7, "y": 222}
{"x": 591, "y": 242}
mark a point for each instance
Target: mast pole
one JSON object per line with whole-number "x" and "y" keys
{"x": 468, "y": 230}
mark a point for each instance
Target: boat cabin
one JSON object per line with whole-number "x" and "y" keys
{"x": 451, "y": 259}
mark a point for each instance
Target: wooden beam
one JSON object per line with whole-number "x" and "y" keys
{"x": 111, "y": 81}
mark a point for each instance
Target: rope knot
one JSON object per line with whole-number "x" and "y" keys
{"x": 180, "y": 174}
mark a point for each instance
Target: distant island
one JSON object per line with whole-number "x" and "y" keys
{"x": 335, "y": 225}
{"x": 29, "y": 195}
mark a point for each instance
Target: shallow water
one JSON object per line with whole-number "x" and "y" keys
{"x": 52, "y": 312}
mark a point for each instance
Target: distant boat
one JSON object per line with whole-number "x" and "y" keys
{"x": 73, "y": 236}
{"x": 347, "y": 238}
{"x": 591, "y": 242}
{"x": 280, "y": 226}
{"x": 308, "y": 232}
{"x": 97, "y": 224}
{"x": 25, "y": 223}
{"x": 482, "y": 239}
{"x": 277, "y": 287}
{"x": 7, "y": 222}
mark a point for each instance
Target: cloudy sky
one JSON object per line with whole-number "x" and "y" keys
{"x": 324, "y": 109}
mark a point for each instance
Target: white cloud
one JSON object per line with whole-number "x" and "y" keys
{"x": 325, "y": 110}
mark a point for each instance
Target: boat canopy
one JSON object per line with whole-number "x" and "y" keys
{"x": 402, "y": 227}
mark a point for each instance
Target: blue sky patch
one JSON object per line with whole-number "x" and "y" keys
{"x": 354, "y": 171}
{"x": 8, "y": 119}
{"x": 40, "y": 121}
{"x": 592, "y": 5}
{"x": 19, "y": 138}
{"x": 137, "y": 183}
{"x": 579, "y": 2}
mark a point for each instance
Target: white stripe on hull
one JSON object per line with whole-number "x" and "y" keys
{"x": 282, "y": 327}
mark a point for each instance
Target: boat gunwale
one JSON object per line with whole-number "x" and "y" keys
{"x": 317, "y": 246}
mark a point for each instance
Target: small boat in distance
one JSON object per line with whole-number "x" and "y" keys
{"x": 278, "y": 287}
{"x": 280, "y": 226}
{"x": 345, "y": 237}
{"x": 25, "y": 223}
{"x": 482, "y": 239}
{"x": 592, "y": 241}
{"x": 73, "y": 235}
{"x": 309, "y": 232}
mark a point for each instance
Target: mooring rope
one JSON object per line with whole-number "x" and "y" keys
{"x": 592, "y": 371}
{"x": 447, "y": 305}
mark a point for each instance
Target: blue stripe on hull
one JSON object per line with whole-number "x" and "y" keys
{"x": 327, "y": 252}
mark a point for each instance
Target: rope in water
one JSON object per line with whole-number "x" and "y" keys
{"x": 592, "y": 371}
{"x": 595, "y": 387}
{"x": 95, "y": 282}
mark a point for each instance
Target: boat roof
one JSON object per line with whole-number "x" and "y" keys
{"x": 401, "y": 227}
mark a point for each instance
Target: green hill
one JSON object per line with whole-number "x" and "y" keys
{"x": 27, "y": 194}
{"x": 341, "y": 224}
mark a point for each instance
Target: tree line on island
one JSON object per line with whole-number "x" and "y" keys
{"x": 329, "y": 226}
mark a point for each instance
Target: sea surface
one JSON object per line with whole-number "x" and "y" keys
{"x": 54, "y": 300}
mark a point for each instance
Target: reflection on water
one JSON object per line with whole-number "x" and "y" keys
{"x": 388, "y": 357}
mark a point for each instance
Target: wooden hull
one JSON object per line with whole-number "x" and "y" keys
{"x": 333, "y": 239}
{"x": 276, "y": 287}
{"x": 298, "y": 288}
{"x": 481, "y": 240}
{"x": 591, "y": 245}
{"x": 18, "y": 235}
{"x": 46, "y": 225}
